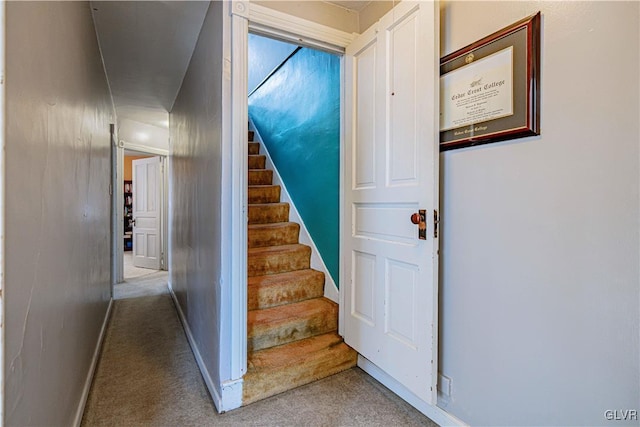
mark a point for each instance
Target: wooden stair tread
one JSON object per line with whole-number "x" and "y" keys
{"x": 277, "y": 369}
{"x": 272, "y": 234}
{"x": 254, "y": 148}
{"x": 278, "y": 259}
{"x": 264, "y": 213}
{"x": 272, "y": 225}
{"x": 260, "y": 177}
{"x": 283, "y": 288}
{"x": 283, "y": 324}
{"x": 264, "y": 194}
{"x": 287, "y": 312}
{"x": 267, "y": 205}
{"x": 257, "y": 161}
{"x": 286, "y": 354}
{"x": 262, "y": 186}
{"x": 281, "y": 249}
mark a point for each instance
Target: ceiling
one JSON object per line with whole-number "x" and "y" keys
{"x": 146, "y": 46}
{"x": 356, "y": 5}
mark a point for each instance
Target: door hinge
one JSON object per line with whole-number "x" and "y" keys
{"x": 436, "y": 221}
{"x": 111, "y": 189}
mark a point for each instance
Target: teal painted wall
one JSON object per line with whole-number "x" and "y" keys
{"x": 297, "y": 112}
{"x": 264, "y": 56}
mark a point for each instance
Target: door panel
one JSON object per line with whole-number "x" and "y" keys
{"x": 365, "y": 168}
{"x": 146, "y": 212}
{"x": 391, "y": 171}
{"x": 402, "y": 141}
{"x": 363, "y": 297}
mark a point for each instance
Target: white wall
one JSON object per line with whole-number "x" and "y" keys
{"x": 539, "y": 244}
{"x": 321, "y": 12}
{"x": 196, "y": 191}
{"x": 375, "y": 10}
{"x": 57, "y": 209}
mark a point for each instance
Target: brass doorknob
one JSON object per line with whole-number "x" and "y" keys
{"x": 415, "y": 218}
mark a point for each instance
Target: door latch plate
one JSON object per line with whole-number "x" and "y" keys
{"x": 422, "y": 224}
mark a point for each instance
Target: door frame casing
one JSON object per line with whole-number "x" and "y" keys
{"x": 247, "y": 16}
{"x": 118, "y": 192}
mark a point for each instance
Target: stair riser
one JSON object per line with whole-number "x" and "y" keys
{"x": 261, "y": 177}
{"x": 250, "y": 135}
{"x": 263, "y": 292}
{"x": 257, "y": 161}
{"x": 264, "y": 264}
{"x": 273, "y": 236}
{"x": 264, "y": 194}
{"x": 267, "y": 214}
{"x": 254, "y": 148}
{"x": 264, "y": 332}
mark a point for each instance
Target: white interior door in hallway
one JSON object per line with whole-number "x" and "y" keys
{"x": 147, "y": 181}
{"x": 391, "y": 172}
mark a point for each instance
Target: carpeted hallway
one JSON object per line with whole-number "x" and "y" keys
{"x": 147, "y": 376}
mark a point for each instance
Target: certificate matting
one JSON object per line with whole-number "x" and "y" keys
{"x": 478, "y": 92}
{"x": 490, "y": 125}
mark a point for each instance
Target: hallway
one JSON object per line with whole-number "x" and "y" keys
{"x": 147, "y": 376}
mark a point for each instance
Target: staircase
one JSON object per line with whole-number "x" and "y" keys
{"x": 291, "y": 329}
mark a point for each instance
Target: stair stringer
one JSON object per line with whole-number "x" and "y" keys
{"x": 317, "y": 263}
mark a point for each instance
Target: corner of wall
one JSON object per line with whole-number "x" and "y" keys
{"x": 214, "y": 390}
{"x": 92, "y": 368}
{"x": 2, "y": 204}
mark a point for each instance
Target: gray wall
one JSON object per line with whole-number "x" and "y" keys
{"x": 57, "y": 208}
{"x": 539, "y": 257}
{"x": 195, "y": 193}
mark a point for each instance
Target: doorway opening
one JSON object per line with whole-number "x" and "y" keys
{"x": 380, "y": 73}
{"x": 142, "y": 211}
{"x": 294, "y": 109}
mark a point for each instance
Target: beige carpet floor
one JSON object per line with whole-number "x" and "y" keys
{"x": 130, "y": 271}
{"x": 154, "y": 283}
{"x": 147, "y": 376}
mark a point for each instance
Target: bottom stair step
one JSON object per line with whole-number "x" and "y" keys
{"x": 278, "y": 369}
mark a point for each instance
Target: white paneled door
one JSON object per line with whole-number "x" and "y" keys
{"x": 391, "y": 172}
{"x": 146, "y": 212}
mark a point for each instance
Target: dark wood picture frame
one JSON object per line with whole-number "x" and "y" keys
{"x": 524, "y": 120}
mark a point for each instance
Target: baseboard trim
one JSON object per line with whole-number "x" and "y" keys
{"x": 92, "y": 368}
{"x": 435, "y": 413}
{"x": 230, "y": 395}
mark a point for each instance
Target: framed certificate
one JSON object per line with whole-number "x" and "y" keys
{"x": 489, "y": 90}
